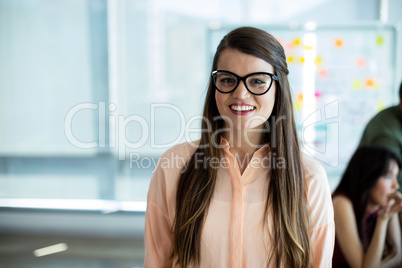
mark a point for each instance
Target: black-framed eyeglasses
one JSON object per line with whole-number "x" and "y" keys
{"x": 256, "y": 83}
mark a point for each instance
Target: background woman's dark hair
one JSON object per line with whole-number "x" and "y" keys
{"x": 286, "y": 196}
{"x": 366, "y": 166}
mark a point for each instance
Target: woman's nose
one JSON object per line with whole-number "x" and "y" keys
{"x": 241, "y": 91}
{"x": 396, "y": 184}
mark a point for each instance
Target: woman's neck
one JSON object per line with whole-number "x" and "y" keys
{"x": 245, "y": 141}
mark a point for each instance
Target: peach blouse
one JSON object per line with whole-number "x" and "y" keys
{"x": 233, "y": 233}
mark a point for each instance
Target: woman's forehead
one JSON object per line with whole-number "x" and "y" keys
{"x": 241, "y": 63}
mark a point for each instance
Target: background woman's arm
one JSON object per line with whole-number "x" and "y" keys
{"x": 394, "y": 259}
{"x": 347, "y": 236}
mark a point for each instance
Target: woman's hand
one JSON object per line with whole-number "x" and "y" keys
{"x": 394, "y": 206}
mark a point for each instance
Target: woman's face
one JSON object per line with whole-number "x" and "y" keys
{"x": 386, "y": 185}
{"x": 241, "y": 109}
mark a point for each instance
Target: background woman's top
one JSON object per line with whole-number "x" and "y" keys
{"x": 370, "y": 220}
{"x": 233, "y": 234}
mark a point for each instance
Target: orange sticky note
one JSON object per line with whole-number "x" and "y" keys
{"x": 299, "y": 97}
{"x": 370, "y": 82}
{"x": 339, "y": 43}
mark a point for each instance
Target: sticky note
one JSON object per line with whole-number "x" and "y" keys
{"x": 300, "y": 97}
{"x": 361, "y": 62}
{"x": 297, "y": 42}
{"x": 290, "y": 46}
{"x": 369, "y": 82}
{"x": 323, "y": 73}
{"x": 379, "y": 40}
{"x": 318, "y": 60}
{"x": 380, "y": 105}
{"x": 290, "y": 59}
{"x": 338, "y": 42}
{"x": 357, "y": 85}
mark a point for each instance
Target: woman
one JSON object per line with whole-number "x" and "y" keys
{"x": 242, "y": 196}
{"x": 366, "y": 203}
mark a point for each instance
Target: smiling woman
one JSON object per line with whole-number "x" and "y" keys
{"x": 225, "y": 204}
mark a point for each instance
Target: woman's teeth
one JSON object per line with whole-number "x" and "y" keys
{"x": 242, "y": 108}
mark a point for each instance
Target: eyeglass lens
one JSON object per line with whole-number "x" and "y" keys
{"x": 257, "y": 84}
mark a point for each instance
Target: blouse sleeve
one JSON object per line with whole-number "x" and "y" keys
{"x": 158, "y": 227}
{"x": 321, "y": 211}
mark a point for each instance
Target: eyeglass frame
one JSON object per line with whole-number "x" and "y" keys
{"x": 244, "y": 78}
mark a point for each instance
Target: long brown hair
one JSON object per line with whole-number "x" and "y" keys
{"x": 286, "y": 190}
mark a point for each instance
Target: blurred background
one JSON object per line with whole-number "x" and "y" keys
{"x": 93, "y": 91}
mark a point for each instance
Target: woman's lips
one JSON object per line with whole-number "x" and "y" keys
{"x": 242, "y": 109}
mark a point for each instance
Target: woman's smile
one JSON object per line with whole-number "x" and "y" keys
{"x": 242, "y": 108}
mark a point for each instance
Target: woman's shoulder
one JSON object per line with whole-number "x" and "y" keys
{"x": 163, "y": 185}
{"x": 316, "y": 181}
{"x": 177, "y": 156}
{"x": 313, "y": 170}
{"x": 173, "y": 161}
{"x": 340, "y": 199}
{"x": 318, "y": 192}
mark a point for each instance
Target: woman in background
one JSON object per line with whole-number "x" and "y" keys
{"x": 366, "y": 205}
{"x": 243, "y": 195}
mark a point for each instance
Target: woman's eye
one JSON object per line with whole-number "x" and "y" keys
{"x": 227, "y": 80}
{"x": 257, "y": 82}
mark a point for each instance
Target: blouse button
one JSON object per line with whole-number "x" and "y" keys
{"x": 255, "y": 162}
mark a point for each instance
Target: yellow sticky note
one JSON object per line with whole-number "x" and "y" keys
{"x": 379, "y": 40}
{"x": 380, "y": 105}
{"x": 357, "y": 85}
{"x": 318, "y": 60}
{"x": 290, "y": 59}
{"x": 297, "y": 42}
{"x": 302, "y": 59}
